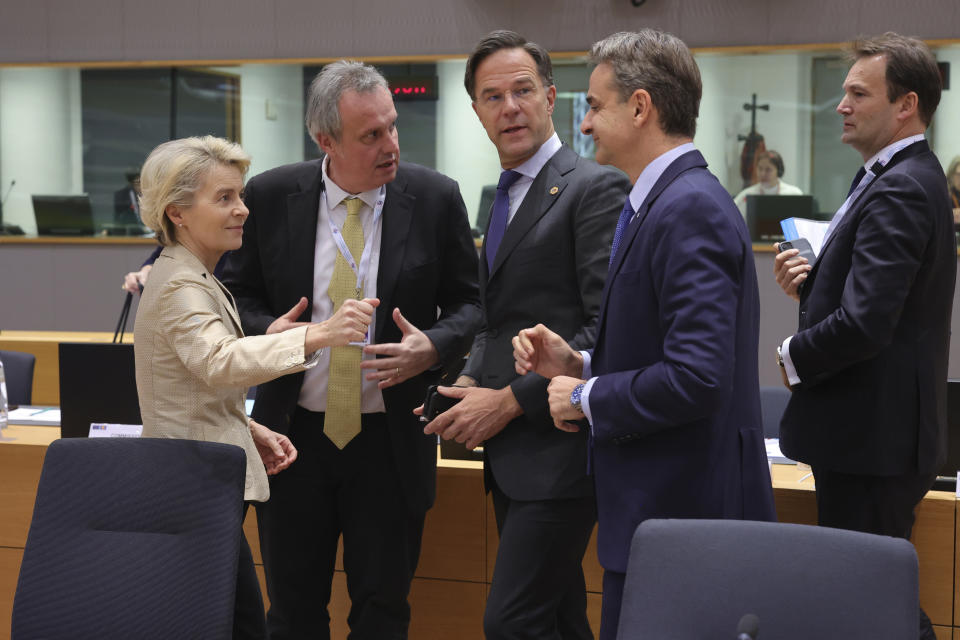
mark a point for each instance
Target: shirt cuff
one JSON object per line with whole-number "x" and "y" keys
{"x": 585, "y": 400}
{"x": 586, "y": 365}
{"x": 791, "y": 370}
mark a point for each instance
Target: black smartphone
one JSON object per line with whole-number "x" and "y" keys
{"x": 435, "y": 403}
{"x": 803, "y": 245}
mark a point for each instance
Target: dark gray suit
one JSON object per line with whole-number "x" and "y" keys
{"x": 549, "y": 269}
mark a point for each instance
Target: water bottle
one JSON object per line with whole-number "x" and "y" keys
{"x": 3, "y": 398}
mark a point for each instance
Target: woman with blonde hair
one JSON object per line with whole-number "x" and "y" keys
{"x": 193, "y": 362}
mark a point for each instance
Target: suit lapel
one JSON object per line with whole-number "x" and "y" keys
{"x": 911, "y": 151}
{"x": 544, "y": 191}
{"x": 689, "y": 160}
{"x": 303, "y": 209}
{"x": 397, "y": 218}
{"x": 190, "y": 262}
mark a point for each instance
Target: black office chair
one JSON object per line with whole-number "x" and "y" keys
{"x": 132, "y": 538}
{"x": 696, "y": 579}
{"x": 18, "y": 372}
{"x": 773, "y": 402}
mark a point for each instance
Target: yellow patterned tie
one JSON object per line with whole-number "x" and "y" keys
{"x": 342, "y": 421}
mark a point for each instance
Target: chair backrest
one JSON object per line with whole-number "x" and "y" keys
{"x": 696, "y": 579}
{"x": 132, "y": 538}
{"x": 773, "y": 402}
{"x": 18, "y": 373}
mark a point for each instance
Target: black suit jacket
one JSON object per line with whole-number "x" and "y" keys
{"x": 550, "y": 268}
{"x": 427, "y": 262}
{"x": 874, "y": 332}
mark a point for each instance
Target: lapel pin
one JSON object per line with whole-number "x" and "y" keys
{"x": 554, "y": 190}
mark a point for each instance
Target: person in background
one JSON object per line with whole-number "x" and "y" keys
{"x": 953, "y": 184}
{"x": 868, "y": 363}
{"x": 769, "y": 171}
{"x": 193, "y": 363}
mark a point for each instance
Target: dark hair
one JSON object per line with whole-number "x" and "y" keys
{"x": 773, "y": 158}
{"x": 503, "y": 39}
{"x": 662, "y": 65}
{"x": 910, "y": 67}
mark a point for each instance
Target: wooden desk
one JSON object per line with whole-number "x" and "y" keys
{"x": 459, "y": 544}
{"x": 45, "y": 346}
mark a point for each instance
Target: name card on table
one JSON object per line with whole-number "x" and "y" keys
{"x": 106, "y": 430}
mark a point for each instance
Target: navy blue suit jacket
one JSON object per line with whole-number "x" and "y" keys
{"x": 676, "y": 407}
{"x": 874, "y": 330}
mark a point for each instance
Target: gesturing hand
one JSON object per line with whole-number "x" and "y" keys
{"x": 289, "y": 319}
{"x": 544, "y": 352}
{"x": 350, "y": 322}
{"x": 403, "y": 360}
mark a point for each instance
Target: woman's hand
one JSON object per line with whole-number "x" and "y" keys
{"x": 348, "y": 324}
{"x": 275, "y": 449}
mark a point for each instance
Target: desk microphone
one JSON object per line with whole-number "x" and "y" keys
{"x": 7, "y": 195}
{"x": 748, "y": 627}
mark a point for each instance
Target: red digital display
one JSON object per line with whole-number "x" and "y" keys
{"x": 413, "y": 87}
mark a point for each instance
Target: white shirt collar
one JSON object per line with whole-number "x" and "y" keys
{"x": 652, "y": 172}
{"x": 335, "y": 194}
{"x": 883, "y": 156}
{"x": 531, "y": 168}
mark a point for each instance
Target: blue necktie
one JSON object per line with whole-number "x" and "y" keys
{"x": 498, "y": 217}
{"x": 622, "y": 223}
{"x": 856, "y": 180}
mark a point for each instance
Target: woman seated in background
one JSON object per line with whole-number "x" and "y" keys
{"x": 769, "y": 172}
{"x": 193, "y": 363}
{"x": 953, "y": 182}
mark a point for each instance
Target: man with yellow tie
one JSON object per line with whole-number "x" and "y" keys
{"x": 355, "y": 224}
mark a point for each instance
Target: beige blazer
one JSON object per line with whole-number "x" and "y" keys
{"x": 194, "y": 364}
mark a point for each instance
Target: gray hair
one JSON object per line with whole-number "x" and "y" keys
{"x": 175, "y": 170}
{"x": 323, "y": 99}
{"x": 662, "y": 65}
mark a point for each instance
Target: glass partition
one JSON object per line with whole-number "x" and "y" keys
{"x": 83, "y": 132}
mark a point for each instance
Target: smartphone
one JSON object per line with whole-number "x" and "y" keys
{"x": 806, "y": 251}
{"x": 435, "y": 403}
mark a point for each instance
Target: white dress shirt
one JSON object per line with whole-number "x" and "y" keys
{"x": 313, "y": 393}
{"x": 528, "y": 171}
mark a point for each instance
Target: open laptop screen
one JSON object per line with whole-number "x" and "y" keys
{"x": 63, "y": 215}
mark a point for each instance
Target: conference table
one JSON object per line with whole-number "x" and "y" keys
{"x": 460, "y": 540}
{"x": 460, "y": 534}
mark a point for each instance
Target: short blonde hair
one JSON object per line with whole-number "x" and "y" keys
{"x": 175, "y": 170}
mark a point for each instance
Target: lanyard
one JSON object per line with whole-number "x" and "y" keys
{"x": 365, "y": 258}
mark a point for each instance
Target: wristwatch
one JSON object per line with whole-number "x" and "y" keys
{"x": 780, "y": 358}
{"x": 576, "y": 397}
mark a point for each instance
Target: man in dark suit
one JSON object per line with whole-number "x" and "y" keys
{"x": 868, "y": 364}
{"x": 671, "y": 388}
{"x": 369, "y": 477}
{"x": 544, "y": 258}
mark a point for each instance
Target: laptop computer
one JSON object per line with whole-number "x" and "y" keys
{"x": 97, "y": 384}
{"x": 764, "y": 213}
{"x": 63, "y": 215}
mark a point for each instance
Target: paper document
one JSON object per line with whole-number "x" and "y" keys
{"x": 40, "y": 416}
{"x": 812, "y": 230}
{"x": 774, "y": 454}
